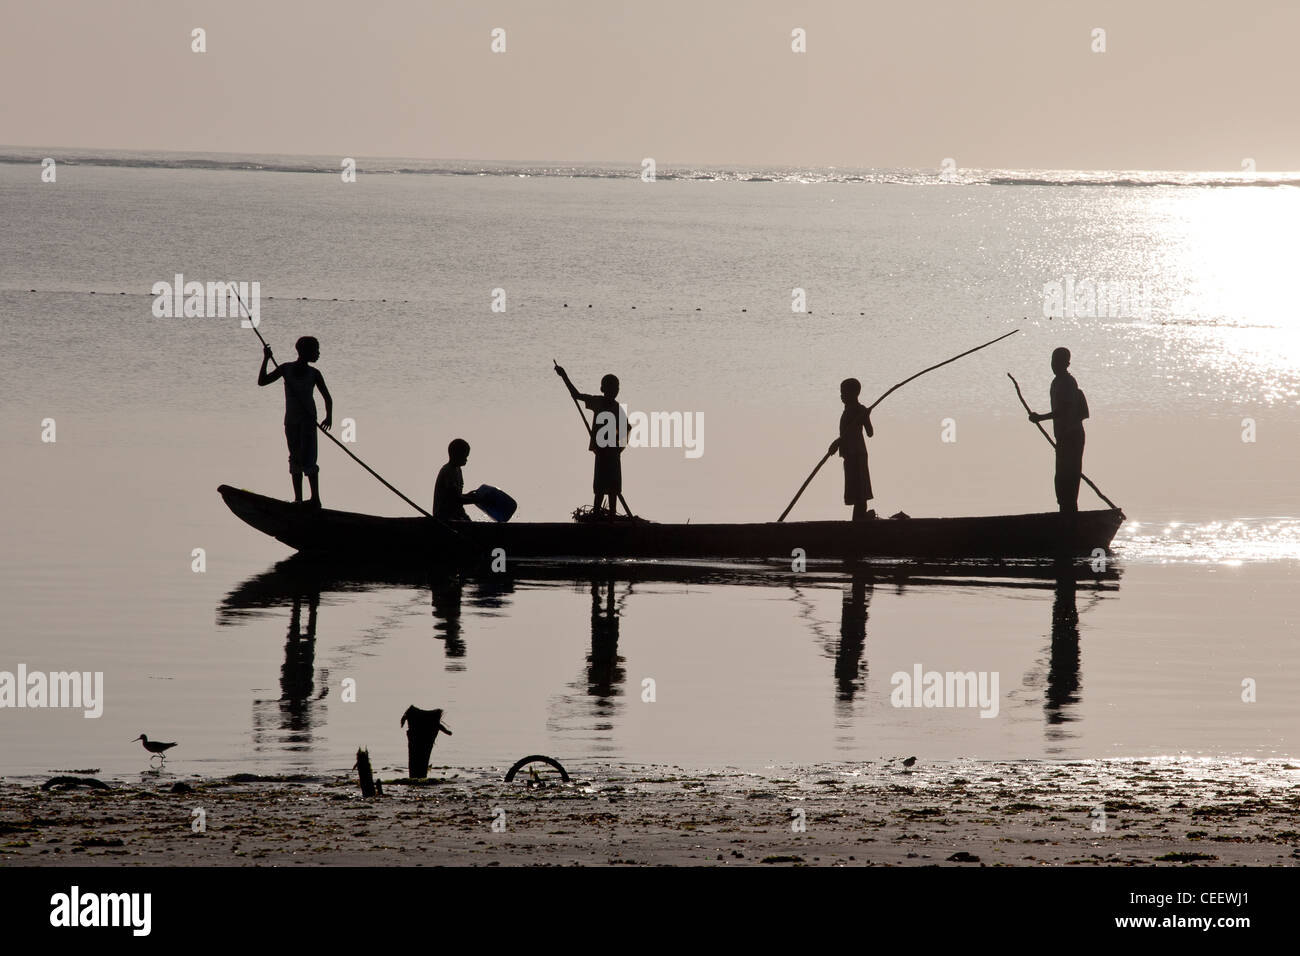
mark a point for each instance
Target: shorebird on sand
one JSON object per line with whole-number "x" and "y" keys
{"x": 155, "y": 747}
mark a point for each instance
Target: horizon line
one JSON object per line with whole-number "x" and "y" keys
{"x": 631, "y": 164}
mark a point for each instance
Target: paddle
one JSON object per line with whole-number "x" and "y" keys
{"x": 1053, "y": 444}
{"x": 893, "y": 389}
{"x": 587, "y": 426}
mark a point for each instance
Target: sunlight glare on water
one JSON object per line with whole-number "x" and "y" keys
{"x": 1213, "y": 542}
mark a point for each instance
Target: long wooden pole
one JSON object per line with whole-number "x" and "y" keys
{"x": 892, "y": 389}
{"x": 591, "y": 435}
{"x": 940, "y": 365}
{"x": 1053, "y": 444}
{"x": 806, "y": 482}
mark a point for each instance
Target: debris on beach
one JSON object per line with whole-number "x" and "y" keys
{"x": 71, "y": 783}
{"x": 422, "y": 729}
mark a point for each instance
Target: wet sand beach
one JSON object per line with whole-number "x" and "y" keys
{"x": 1179, "y": 812}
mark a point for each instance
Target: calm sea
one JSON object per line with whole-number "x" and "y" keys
{"x": 683, "y": 287}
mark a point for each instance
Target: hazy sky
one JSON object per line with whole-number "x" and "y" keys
{"x": 1182, "y": 85}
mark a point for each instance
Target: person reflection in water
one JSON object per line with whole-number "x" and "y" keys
{"x": 445, "y": 599}
{"x": 300, "y": 705}
{"x": 850, "y": 668}
{"x": 605, "y": 675}
{"x": 1063, "y": 681}
{"x": 297, "y": 685}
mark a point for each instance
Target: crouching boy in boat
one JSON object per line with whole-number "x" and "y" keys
{"x": 1069, "y": 409}
{"x": 852, "y": 447}
{"x": 449, "y": 497}
{"x": 301, "y": 380}
{"x": 608, "y": 438}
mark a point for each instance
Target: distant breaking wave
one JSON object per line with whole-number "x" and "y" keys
{"x": 760, "y": 174}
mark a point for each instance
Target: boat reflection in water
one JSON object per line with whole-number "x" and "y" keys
{"x": 590, "y": 706}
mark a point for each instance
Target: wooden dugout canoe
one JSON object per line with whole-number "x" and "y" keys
{"x": 367, "y": 537}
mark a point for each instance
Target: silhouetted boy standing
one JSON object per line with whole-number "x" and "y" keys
{"x": 1069, "y": 409}
{"x": 852, "y": 447}
{"x": 608, "y": 438}
{"x": 301, "y": 380}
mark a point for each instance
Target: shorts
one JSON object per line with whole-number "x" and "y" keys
{"x": 301, "y": 437}
{"x": 608, "y": 479}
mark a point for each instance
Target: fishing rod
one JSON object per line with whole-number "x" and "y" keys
{"x": 592, "y": 436}
{"x": 892, "y": 389}
{"x": 1053, "y": 444}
